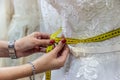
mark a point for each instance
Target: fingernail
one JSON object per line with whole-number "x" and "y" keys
{"x": 52, "y": 41}
{"x": 63, "y": 40}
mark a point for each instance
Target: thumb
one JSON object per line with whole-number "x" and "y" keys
{"x": 59, "y": 47}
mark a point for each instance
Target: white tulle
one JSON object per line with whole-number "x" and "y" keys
{"x": 84, "y": 19}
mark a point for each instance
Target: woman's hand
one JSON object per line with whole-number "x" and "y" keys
{"x": 35, "y": 42}
{"x": 54, "y": 59}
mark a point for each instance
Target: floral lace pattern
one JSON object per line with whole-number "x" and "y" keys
{"x": 88, "y": 69}
{"x": 84, "y": 19}
{"x": 95, "y": 67}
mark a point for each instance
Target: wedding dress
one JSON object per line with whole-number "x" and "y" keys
{"x": 25, "y": 20}
{"x": 84, "y": 19}
{"x": 6, "y": 12}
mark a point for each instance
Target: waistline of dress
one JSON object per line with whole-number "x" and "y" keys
{"x": 78, "y": 51}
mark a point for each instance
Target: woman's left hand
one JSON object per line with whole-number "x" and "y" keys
{"x": 35, "y": 42}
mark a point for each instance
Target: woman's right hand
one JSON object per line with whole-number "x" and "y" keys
{"x": 54, "y": 59}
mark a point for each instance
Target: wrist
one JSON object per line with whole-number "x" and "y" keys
{"x": 38, "y": 66}
{"x": 12, "y": 50}
{"x": 17, "y": 45}
{"x": 41, "y": 65}
{"x": 4, "y": 49}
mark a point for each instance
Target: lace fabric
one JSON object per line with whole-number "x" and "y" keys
{"x": 95, "y": 67}
{"x": 84, "y": 19}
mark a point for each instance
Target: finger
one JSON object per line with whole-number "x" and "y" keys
{"x": 39, "y": 35}
{"x": 45, "y": 36}
{"x": 64, "y": 54}
{"x": 35, "y": 50}
{"x": 59, "y": 47}
{"x": 40, "y": 49}
{"x": 36, "y": 34}
{"x": 59, "y": 54}
{"x": 45, "y": 42}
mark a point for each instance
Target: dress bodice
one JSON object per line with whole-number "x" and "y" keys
{"x": 82, "y": 18}
{"x": 85, "y": 19}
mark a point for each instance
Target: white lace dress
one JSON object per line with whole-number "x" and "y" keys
{"x": 84, "y": 19}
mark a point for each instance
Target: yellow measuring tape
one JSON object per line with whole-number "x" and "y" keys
{"x": 49, "y": 48}
{"x": 98, "y": 38}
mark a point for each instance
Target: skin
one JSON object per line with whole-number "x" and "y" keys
{"x": 35, "y": 42}
{"x": 28, "y": 45}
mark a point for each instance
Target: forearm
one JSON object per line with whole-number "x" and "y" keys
{"x": 12, "y": 73}
{"x": 16, "y": 72}
{"x": 4, "y": 49}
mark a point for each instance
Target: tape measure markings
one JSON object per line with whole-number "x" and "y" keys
{"x": 49, "y": 48}
{"x": 98, "y": 38}
{"x": 101, "y": 37}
